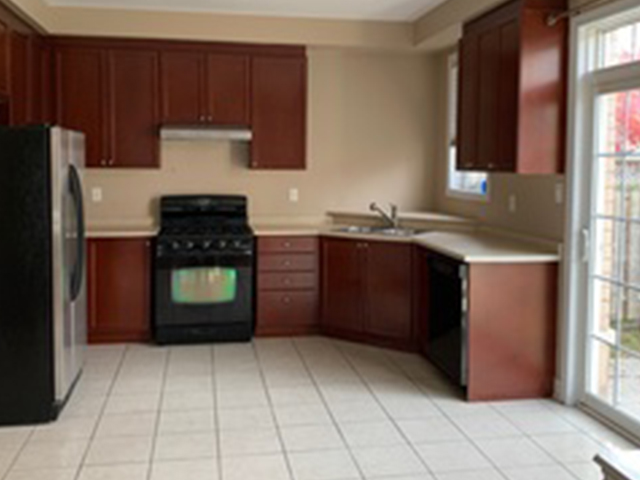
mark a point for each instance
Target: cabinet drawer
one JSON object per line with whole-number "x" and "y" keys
{"x": 278, "y": 311}
{"x": 287, "y": 281}
{"x": 287, "y": 245}
{"x": 287, "y": 263}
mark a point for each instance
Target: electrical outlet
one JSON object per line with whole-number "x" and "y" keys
{"x": 513, "y": 204}
{"x": 559, "y": 193}
{"x": 96, "y": 194}
{"x": 294, "y": 195}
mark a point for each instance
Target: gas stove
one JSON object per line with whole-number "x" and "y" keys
{"x": 204, "y": 225}
{"x": 204, "y": 285}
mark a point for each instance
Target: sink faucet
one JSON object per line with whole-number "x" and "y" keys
{"x": 390, "y": 218}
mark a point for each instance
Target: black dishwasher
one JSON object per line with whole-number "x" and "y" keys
{"x": 447, "y": 339}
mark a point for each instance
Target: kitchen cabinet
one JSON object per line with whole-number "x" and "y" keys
{"x": 112, "y": 96}
{"x": 367, "y": 291}
{"x": 81, "y": 98}
{"x": 512, "y": 90}
{"x": 4, "y": 58}
{"x": 490, "y": 326}
{"x": 20, "y": 78}
{"x": 287, "y": 298}
{"x": 119, "y": 290}
{"x": 278, "y": 112}
{"x": 133, "y": 109}
{"x": 205, "y": 88}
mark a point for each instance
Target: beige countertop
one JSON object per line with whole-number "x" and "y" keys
{"x": 483, "y": 247}
{"x": 123, "y": 230}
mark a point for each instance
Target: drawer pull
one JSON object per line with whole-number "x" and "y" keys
{"x": 286, "y": 244}
{"x": 286, "y": 263}
{"x": 286, "y": 300}
{"x": 287, "y": 281}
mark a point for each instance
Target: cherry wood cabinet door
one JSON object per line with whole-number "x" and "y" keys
{"x": 508, "y": 100}
{"x": 342, "y": 286}
{"x": 228, "y": 92}
{"x": 468, "y": 105}
{"x": 183, "y": 87}
{"x": 389, "y": 291}
{"x": 133, "y": 109}
{"x": 119, "y": 286}
{"x": 4, "y": 58}
{"x": 278, "y": 113}
{"x": 20, "y": 78}
{"x": 81, "y": 98}
{"x": 489, "y": 96}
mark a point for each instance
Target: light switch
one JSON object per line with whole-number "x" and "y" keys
{"x": 96, "y": 194}
{"x": 294, "y": 195}
{"x": 513, "y": 204}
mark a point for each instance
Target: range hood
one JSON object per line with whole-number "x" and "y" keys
{"x": 207, "y": 132}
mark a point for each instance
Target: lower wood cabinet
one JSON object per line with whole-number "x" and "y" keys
{"x": 367, "y": 291}
{"x": 287, "y": 302}
{"x": 119, "y": 290}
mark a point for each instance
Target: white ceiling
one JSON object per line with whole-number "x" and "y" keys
{"x": 392, "y": 10}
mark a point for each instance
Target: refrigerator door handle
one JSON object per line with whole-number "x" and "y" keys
{"x": 77, "y": 277}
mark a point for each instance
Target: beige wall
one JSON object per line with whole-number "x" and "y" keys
{"x": 371, "y": 137}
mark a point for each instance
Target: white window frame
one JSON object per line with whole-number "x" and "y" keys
{"x": 452, "y": 135}
{"x": 573, "y": 354}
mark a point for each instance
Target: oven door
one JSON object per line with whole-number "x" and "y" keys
{"x": 204, "y": 291}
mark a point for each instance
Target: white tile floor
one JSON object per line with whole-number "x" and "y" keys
{"x": 304, "y": 409}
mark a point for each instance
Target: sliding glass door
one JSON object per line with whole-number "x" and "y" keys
{"x": 609, "y": 147}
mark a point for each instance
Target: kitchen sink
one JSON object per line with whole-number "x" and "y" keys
{"x": 384, "y": 231}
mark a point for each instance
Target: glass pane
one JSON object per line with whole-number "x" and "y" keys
{"x": 630, "y": 320}
{"x": 603, "y": 370}
{"x": 630, "y": 384}
{"x": 622, "y": 45}
{"x": 632, "y": 188}
{"x": 609, "y": 261}
{"x": 630, "y": 267}
{"x": 610, "y": 176}
{"x": 619, "y": 122}
{"x": 605, "y": 298}
{"x": 204, "y": 285}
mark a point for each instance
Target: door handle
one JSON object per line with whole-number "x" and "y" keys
{"x": 586, "y": 245}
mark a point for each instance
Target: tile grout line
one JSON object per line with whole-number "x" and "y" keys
{"x": 21, "y": 449}
{"x": 216, "y": 416}
{"x": 523, "y": 434}
{"x": 272, "y": 410}
{"x": 94, "y": 432}
{"x": 497, "y": 468}
{"x": 156, "y": 430}
{"x": 386, "y": 412}
{"x": 325, "y": 403}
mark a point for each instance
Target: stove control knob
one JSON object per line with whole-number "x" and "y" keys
{"x": 222, "y": 244}
{"x": 175, "y": 245}
{"x": 238, "y": 245}
{"x": 189, "y": 245}
{"x": 206, "y": 245}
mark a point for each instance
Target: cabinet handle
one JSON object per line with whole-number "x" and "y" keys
{"x": 287, "y": 281}
{"x": 286, "y": 263}
{"x": 103, "y": 162}
{"x": 286, "y": 300}
{"x": 203, "y": 118}
{"x": 210, "y": 118}
{"x": 286, "y": 244}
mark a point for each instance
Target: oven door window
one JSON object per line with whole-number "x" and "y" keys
{"x": 204, "y": 286}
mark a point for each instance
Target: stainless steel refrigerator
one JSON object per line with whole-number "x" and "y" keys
{"x": 43, "y": 306}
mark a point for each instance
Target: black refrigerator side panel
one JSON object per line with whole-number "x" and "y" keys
{"x": 26, "y": 315}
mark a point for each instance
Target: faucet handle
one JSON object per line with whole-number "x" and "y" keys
{"x": 373, "y": 206}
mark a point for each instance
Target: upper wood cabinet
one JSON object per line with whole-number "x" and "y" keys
{"x": 133, "y": 108}
{"x": 279, "y": 112}
{"x": 512, "y": 90}
{"x": 4, "y": 58}
{"x": 20, "y": 78}
{"x": 81, "y": 98}
{"x": 201, "y": 88}
{"x": 112, "y": 96}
